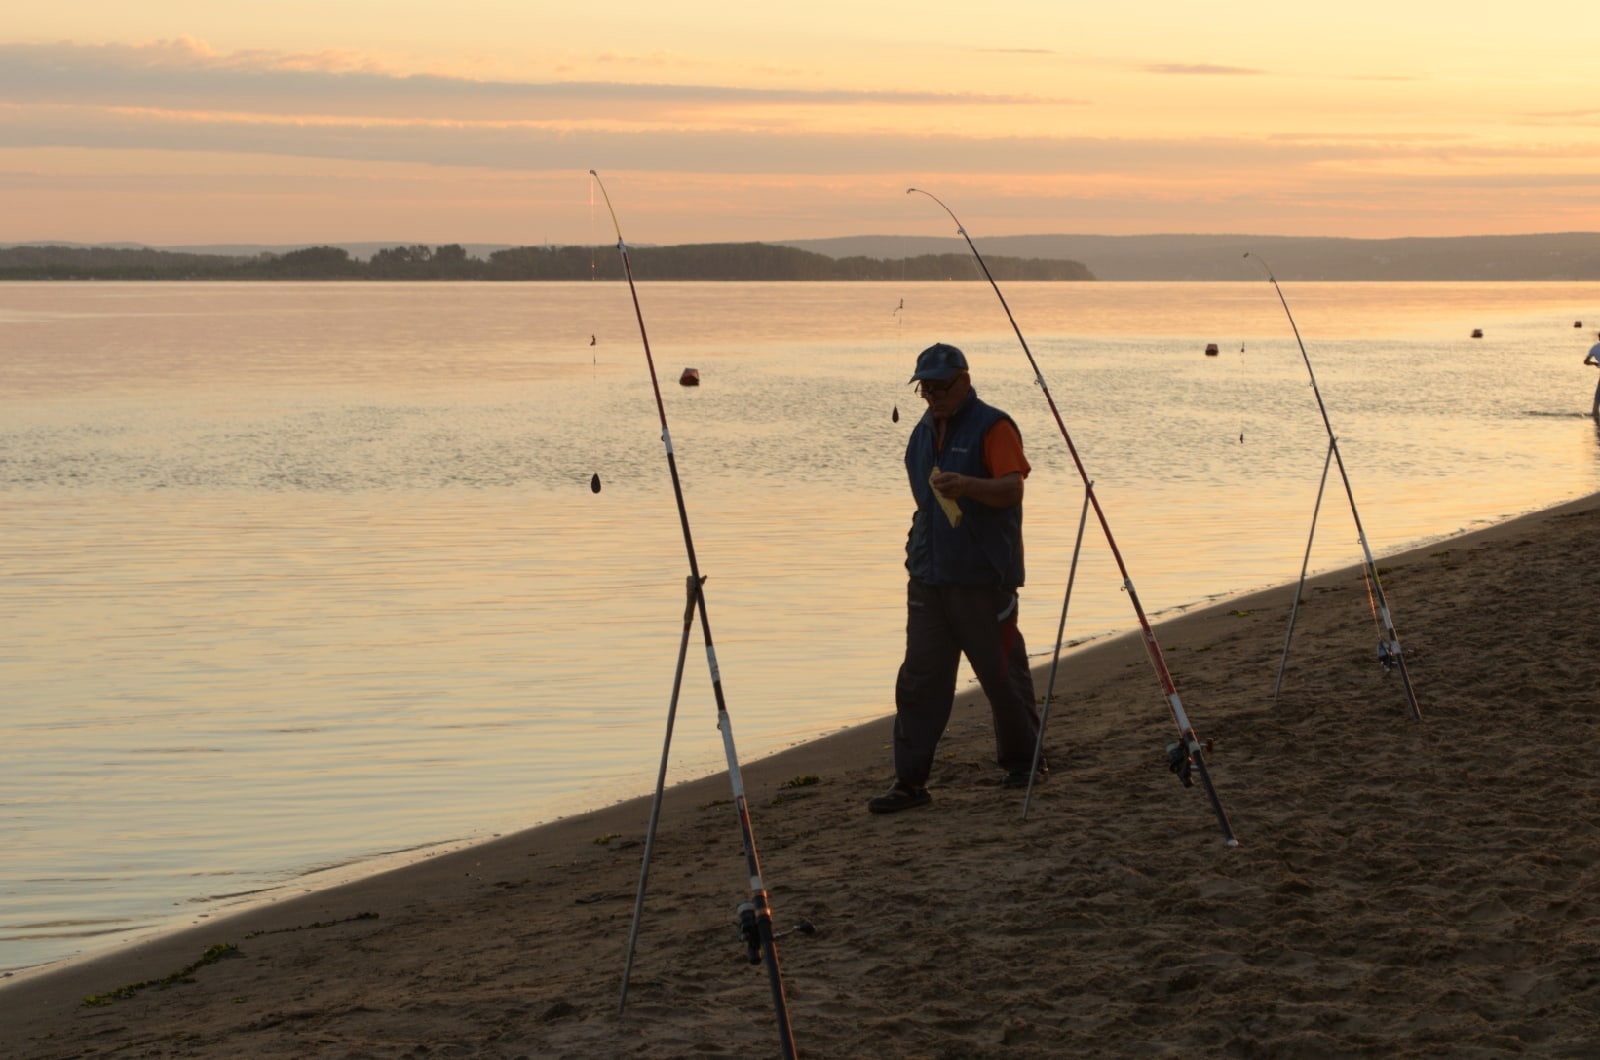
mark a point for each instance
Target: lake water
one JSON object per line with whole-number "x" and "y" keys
{"x": 297, "y": 576}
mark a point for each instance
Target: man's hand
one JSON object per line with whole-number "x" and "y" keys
{"x": 994, "y": 492}
{"x": 948, "y": 484}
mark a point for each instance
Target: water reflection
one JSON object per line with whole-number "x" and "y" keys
{"x": 311, "y": 572}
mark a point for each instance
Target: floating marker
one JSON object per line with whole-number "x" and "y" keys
{"x": 594, "y": 483}
{"x": 894, "y": 416}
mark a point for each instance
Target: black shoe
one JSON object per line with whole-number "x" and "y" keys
{"x": 1018, "y": 778}
{"x": 900, "y": 797}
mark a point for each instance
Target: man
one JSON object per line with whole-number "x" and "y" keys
{"x": 1594, "y": 359}
{"x": 964, "y": 556}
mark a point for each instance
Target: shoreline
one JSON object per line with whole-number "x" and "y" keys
{"x": 543, "y": 913}
{"x": 297, "y": 882}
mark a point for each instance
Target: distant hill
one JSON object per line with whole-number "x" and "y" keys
{"x": 1553, "y": 256}
{"x": 692, "y": 262}
{"x": 1556, "y": 256}
{"x": 362, "y": 251}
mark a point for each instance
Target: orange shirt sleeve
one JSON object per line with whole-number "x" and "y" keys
{"x": 1002, "y": 450}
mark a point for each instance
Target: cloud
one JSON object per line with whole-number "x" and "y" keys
{"x": 182, "y": 96}
{"x": 146, "y": 120}
{"x": 1364, "y": 138}
{"x": 1202, "y": 69}
{"x": 187, "y": 74}
{"x": 178, "y": 53}
{"x": 526, "y": 146}
{"x": 1584, "y": 116}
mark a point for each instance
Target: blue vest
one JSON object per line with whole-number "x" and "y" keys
{"x": 986, "y": 549}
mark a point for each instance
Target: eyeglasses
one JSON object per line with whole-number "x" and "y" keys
{"x": 931, "y": 390}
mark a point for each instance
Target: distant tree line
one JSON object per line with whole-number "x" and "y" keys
{"x": 700, "y": 261}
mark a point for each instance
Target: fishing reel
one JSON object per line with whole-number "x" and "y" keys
{"x": 1388, "y": 655}
{"x": 749, "y": 932}
{"x": 1180, "y": 763}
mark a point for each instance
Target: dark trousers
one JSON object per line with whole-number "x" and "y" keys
{"x": 944, "y": 622}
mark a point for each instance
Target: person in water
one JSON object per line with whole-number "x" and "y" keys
{"x": 966, "y": 468}
{"x": 1594, "y": 359}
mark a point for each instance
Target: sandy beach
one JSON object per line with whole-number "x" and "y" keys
{"x": 1401, "y": 888}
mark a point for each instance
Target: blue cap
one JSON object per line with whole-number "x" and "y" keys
{"x": 939, "y": 361}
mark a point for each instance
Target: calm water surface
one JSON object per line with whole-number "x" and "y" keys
{"x": 297, "y": 576}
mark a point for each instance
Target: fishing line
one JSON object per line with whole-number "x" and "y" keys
{"x": 899, "y": 321}
{"x": 755, "y": 915}
{"x": 594, "y": 382}
{"x": 594, "y": 356}
{"x": 1186, "y": 757}
{"x": 1389, "y": 653}
{"x": 1241, "y": 419}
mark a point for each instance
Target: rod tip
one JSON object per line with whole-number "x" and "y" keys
{"x": 910, "y": 190}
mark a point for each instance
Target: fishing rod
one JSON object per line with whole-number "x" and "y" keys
{"x": 1390, "y": 655}
{"x": 1305, "y": 563}
{"x": 1055, "y": 659}
{"x": 689, "y": 608}
{"x": 1186, "y": 757}
{"x": 755, "y": 915}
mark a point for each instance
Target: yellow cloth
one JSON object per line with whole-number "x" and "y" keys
{"x": 952, "y": 510}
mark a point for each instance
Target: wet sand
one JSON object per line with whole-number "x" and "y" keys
{"x": 1401, "y": 888}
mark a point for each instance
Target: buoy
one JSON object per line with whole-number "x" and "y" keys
{"x": 1477, "y": 333}
{"x": 690, "y": 377}
{"x": 1211, "y": 349}
{"x": 1577, "y": 323}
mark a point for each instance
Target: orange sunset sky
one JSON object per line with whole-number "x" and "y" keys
{"x": 178, "y": 122}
